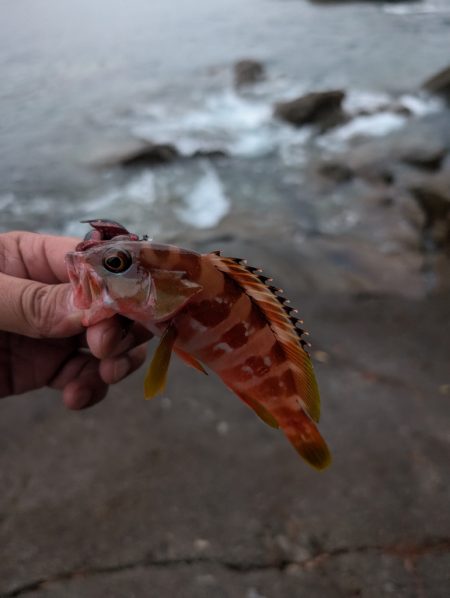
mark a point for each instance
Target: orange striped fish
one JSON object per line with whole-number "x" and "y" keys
{"x": 210, "y": 310}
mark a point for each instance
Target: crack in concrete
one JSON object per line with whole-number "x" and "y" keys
{"x": 409, "y": 553}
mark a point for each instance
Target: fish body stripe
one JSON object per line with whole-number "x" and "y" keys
{"x": 236, "y": 317}
{"x": 239, "y": 327}
{"x": 283, "y": 330}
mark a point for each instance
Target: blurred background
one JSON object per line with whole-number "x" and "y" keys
{"x": 313, "y": 139}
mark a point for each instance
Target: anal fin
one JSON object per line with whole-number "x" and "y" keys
{"x": 189, "y": 360}
{"x": 260, "y": 411}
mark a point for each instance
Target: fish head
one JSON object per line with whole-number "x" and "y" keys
{"x": 107, "y": 278}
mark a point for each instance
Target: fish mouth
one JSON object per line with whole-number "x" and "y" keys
{"x": 87, "y": 286}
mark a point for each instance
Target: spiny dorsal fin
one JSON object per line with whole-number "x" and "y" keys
{"x": 282, "y": 325}
{"x": 274, "y": 290}
{"x": 264, "y": 279}
{"x": 252, "y": 269}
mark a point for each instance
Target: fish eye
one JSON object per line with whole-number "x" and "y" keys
{"x": 117, "y": 261}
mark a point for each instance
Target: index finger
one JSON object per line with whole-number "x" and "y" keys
{"x": 34, "y": 256}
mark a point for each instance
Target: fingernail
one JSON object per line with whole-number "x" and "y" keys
{"x": 121, "y": 368}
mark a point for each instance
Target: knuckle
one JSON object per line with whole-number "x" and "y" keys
{"x": 139, "y": 356}
{"x": 34, "y": 310}
{"x": 8, "y": 247}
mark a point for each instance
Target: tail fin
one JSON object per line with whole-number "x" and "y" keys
{"x": 303, "y": 434}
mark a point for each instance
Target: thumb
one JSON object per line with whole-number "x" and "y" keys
{"x": 37, "y": 310}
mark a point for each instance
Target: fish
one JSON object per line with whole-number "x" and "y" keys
{"x": 214, "y": 312}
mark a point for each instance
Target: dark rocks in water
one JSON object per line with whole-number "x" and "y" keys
{"x": 426, "y": 157}
{"x": 323, "y": 109}
{"x": 397, "y": 188}
{"x": 375, "y": 171}
{"x": 439, "y": 83}
{"x": 211, "y": 153}
{"x": 433, "y": 196}
{"x": 404, "y": 157}
{"x": 401, "y": 110}
{"x": 151, "y": 154}
{"x": 140, "y": 154}
{"x": 248, "y": 72}
{"x": 335, "y": 171}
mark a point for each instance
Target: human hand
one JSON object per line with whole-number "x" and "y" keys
{"x": 42, "y": 340}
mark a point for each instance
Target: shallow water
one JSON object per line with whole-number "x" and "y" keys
{"x": 80, "y": 78}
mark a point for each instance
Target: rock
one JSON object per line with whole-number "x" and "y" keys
{"x": 401, "y": 110}
{"x": 137, "y": 153}
{"x": 433, "y": 196}
{"x": 335, "y": 171}
{"x": 133, "y": 152}
{"x": 248, "y": 72}
{"x": 426, "y": 157}
{"x": 151, "y": 154}
{"x": 323, "y": 109}
{"x": 439, "y": 83}
{"x": 377, "y": 173}
{"x": 369, "y": 167}
{"x": 404, "y": 156}
{"x": 212, "y": 154}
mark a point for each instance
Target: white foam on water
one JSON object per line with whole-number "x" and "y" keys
{"x": 357, "y": 100}
{"x": 7, "y": 200}
{"x": 223, "y": 121}
{"x": 206, "y": 204}
{"x": 374, "y": 125}
{"x": 292, "y": 144}
{"x": 130, "y": 200}
{"x": 415, "y": 8}
{"x": 420, "y": 105}
{"x": 255, "y": 144}
{"x": 386, "y": 116}
{"x": 244, "y": 126}
{"x": 36, "y": 206}
{"x": 240, "y": 125}
{"x": 140, "y": 189}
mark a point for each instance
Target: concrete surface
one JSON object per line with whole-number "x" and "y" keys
{"x": 191, "y": 495}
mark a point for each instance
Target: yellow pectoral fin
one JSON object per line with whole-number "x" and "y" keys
{"x": 156, "y": 377}
{"x": 189, "y": 360}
